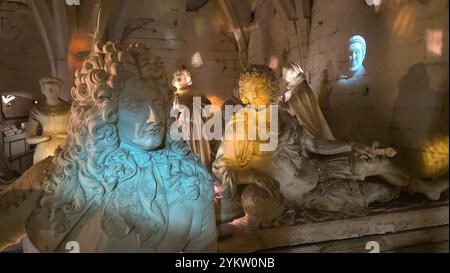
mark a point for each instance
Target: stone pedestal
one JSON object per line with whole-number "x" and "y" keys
{"x": 423, "y": 229}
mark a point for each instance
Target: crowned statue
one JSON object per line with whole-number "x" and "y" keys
{"x": 255, "y": 185}
{"x": 119, "y": 183}
{"x": 47, "y": 124}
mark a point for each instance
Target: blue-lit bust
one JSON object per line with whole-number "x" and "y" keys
{"x": 119, "y": 183}
{"x": 356, "y": 53}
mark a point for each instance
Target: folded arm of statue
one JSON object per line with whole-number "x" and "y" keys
{"x": 325, "y": 147}
{"x": 333, "y": 147}
{"x": 32, "y": 136}
{"x": 37, "y": 139}
{"x": 61, "y": 135}
{"x": 231, "y": 169}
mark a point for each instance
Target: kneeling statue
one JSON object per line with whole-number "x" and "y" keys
{"x": 118, "y": 183}
{"x": 304, "y": 172}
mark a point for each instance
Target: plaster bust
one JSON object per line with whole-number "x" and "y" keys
{"x": 356, "y": 54}
{"x": 119, "y": 184}
{"x": 52, "y": 116}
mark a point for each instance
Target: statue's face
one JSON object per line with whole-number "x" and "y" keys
{"x": 51, "y": 90}
{"x": 180, "y": 81}
{"x": 142, "y": 115}
{"x": 355, "y": 57}
{"x": 257, "y": 92}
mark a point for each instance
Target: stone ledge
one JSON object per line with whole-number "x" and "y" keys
{"x": 314, "y": 233}
{"x": 431, "y": 239}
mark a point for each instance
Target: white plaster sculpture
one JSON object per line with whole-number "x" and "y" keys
{"x": 119, "y": 183}
{"x": 314, "y": 174}
{"x": 299, "y": 100}
{"x": 355, "y": 78}
{"x": 356, "y": 54}
{"x": 51, "y": 117}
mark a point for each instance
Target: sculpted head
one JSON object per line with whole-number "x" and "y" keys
{"x": 182, "y": 79}
{"x": 258, "y": 86}
{"x": 142, "y": 115}
{"x": 50, "y": 87}
{"x": 120, "y": 104}
{"x": 356, "y": 52}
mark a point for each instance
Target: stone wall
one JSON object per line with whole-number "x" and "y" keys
{"x": 23, "y": 59}
{"x": 405, "y": 102}
{"x": 201, "y": 41}
{"x": 273, "y": 39}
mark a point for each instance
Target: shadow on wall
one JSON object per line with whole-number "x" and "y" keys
{"x": 349, "y": 106}
{"x": 419, "y": 116}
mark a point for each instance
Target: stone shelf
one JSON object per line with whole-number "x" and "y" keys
{"x": 394, "y": 229}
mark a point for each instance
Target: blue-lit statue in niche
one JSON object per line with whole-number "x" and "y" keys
{"x": 350, "y": 87}
{"x": 119, "y": 183}
{"x": 354, "y": 77}
{"x": 356, "y": 54}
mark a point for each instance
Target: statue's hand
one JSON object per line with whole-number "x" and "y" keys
{"x": 46, "y": 138}
{"x": 37, "y": 139}
{"x": 362, "y": 149}
{"x": 61, "y": 135}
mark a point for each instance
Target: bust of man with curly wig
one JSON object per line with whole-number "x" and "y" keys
{"x": 119, "y": 183}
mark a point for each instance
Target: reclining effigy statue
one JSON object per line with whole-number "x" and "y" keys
{"x": 118, "y": 183}
{"x": 305, "y": 172}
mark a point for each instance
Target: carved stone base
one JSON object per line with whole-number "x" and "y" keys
{"x": 393, "y": 229}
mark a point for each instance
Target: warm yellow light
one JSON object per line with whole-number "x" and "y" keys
{"x": 196, "y": 60}
{"x": 216, "y": 100}
{"x": 434, "y": 42}
{"x": 404, "y": 22}
{"x": 200, "y": 26}
{"x": 435, "y": 157}
{"x": 79, "y": 42}
{"x": 274, "y": 62}
{"x": 374, "y": 2}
